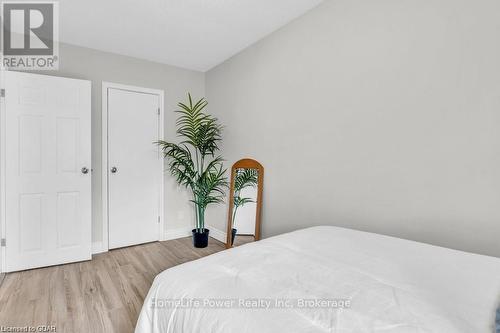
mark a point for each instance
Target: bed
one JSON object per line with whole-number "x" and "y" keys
{"x": 327, "y": 279}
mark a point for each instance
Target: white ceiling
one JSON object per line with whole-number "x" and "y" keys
{"x": 194, "y": 34}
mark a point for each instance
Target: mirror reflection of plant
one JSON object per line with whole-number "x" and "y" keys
{"x": 243, "y": 178}
{"x": 193, "y": 162}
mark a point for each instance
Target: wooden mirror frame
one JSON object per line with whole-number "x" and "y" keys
{"x": 245, "y": 163}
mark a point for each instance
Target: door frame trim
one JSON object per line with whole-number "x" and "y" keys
{"x": 104, "y": 172}
{"x": 3, "y": 176}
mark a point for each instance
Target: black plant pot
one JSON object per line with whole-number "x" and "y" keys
{"x": 233, "y": 235}
{"x": 200, "y": 239}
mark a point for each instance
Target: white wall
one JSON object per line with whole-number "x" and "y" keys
{"x": 97, "y": 66}
{"x": 375, "y": 115}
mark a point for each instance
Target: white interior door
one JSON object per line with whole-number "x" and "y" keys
{"x": 48, "y": 181}
{"x": 134, "y": 167}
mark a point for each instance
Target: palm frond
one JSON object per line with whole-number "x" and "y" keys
{"x": 199, "y": 129}
{"x": 180, "y": 163}
{"x": 212, "y": 185}
{"x": 240, "y": 202}
{"x": 245, "y": 178}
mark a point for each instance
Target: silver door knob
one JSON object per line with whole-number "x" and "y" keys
{"x": 85, "y": 170}
{"x": 114, "y": 169}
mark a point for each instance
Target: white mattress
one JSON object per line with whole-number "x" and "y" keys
{"x": 393, "y": 285}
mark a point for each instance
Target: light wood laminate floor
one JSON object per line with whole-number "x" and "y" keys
{"x": 243, "y": 239}
{"x": 103, "y": 295}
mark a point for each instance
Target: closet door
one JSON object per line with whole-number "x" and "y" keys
{"x": 135, "y": 166}
{"x": 47, "y": 170}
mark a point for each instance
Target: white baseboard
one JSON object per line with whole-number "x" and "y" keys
{"x": 186, "y": 232}
{"x": 177, "y": 233}
{"x": 217, "y": 234}
{"x": 97, "y": 247}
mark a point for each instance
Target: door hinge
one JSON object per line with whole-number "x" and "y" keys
{"x": 158, "y": 111}
{"x": 2, "y": 92}
{"x": 3, "y": 242}
{"x": 158, "y": 219}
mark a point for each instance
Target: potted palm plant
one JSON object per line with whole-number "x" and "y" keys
{"x": 194, "y": 164}
{"x": 243, "y": 178}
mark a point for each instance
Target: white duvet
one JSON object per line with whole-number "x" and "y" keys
{"x": 372, "y": 283}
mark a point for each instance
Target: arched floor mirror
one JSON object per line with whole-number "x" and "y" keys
{"x": 245, "y": 202}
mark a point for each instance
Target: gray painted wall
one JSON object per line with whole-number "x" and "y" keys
{"x": 98, "y": 66}
{"x": 381, "y": 116}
